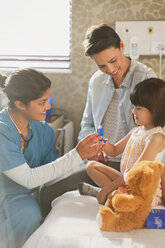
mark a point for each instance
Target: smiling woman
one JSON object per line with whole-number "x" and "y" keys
{"x": 28, "y": 156}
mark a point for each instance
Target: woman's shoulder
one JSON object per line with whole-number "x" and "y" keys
{"x": 98, "y": 77}
{"x": 8, "y": 131}
{"x": 5, "y": 122}
{"x": 139, "y": 66}
{"x": 141, "y": 69}
{"x": 3, "y": 114}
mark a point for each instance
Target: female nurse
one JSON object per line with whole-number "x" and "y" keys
{"x": 28, "y": 156}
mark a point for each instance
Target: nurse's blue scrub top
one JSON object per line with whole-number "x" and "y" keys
{"x": 41, "y": 150}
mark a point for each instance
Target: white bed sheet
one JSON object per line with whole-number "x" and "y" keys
{"x": 72, "y": 224}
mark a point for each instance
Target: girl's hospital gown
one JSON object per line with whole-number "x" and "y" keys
{"x": 20, "y": 214}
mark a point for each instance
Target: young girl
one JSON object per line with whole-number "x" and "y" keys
{"x": 146, "y": 142}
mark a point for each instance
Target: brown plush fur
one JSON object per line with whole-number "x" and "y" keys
{"x": 128, "y": 211}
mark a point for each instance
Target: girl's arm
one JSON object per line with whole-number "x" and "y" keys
{"x": 116, "y": 149}
{"x": 153, "y": 147}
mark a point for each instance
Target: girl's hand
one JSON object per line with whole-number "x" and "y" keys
{"x": 123, "y": 189}
{"x": 90, "y": 146}
{"x": 102, "y": 157}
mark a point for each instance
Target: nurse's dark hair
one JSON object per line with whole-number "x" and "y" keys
{"x": 25, "y": 85}
{"x": 150, "y": 93}
{"x": 99, "y": 37}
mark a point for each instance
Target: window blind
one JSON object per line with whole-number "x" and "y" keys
{"x": 35, "y": 33}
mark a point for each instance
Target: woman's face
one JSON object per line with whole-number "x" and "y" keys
{"x": 111, "y": 61}
{"x": 36, "y": 109}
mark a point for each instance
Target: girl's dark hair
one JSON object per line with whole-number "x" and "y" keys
{"x": 150, "y": 93}
{"x": 100, "y": 37}
{"x": 25, "y": 85}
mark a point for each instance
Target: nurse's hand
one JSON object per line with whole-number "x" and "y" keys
{"x": 90, "y": 146}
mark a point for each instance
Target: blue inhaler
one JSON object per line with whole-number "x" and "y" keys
{"x": 48, "y": 112}
{"x": 100, "y": 133}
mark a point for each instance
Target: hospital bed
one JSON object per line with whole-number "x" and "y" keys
{"x": 71, "y": 223}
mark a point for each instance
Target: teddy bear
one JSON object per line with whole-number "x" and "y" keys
{"x": 128, "y": 209}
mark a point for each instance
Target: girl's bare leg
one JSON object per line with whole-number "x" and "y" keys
{"x": 105, "y": 177}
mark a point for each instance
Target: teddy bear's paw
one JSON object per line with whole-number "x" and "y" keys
{"x": 99, "y": 220}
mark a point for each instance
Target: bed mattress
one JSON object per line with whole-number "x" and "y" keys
{"x": 72, "y": 223}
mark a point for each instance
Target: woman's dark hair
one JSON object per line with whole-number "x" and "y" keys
{"x": 100, "y": 37}
{"x": 150, "y": 93}
{"x": 24, "y": 85}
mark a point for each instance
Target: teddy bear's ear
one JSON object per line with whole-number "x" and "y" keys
{"x": 152, "y": 171}
{"x": 159, "y": 166}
